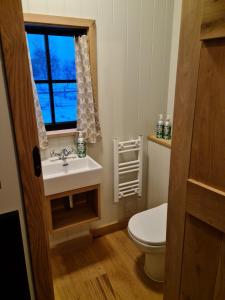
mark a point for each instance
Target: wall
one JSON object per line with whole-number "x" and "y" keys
{"x": 133, "y": 46}
{"x": 174, "y": 55}
{"x": 10, "y": 198}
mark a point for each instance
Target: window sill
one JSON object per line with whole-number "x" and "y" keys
{"x": 61, "y": 133}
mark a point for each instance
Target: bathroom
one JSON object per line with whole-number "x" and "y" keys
{"x": 92, "y": 233}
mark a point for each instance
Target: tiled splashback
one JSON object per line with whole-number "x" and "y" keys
{"x": 57, "y": 144}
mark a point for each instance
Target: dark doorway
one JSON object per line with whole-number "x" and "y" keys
{"x": 13, "y": 282}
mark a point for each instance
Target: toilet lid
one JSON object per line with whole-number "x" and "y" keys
{"x": 149, "y": 227}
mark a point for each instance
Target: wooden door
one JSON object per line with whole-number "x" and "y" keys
{"x": 20, "y": 100}
{"x": 195, "y": 256}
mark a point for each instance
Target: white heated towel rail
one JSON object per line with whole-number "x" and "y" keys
{"x": 133, "y": 187}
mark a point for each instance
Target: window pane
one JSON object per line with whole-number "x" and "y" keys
{"x": 43, "y": 94}
{"x": 65, "y": 101}
{"x": 62, "y": 56}
{"x": 38, "y": 55}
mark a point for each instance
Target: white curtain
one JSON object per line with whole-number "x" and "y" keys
{"x": 87, "y": 115}
{"x": 42, "y": 135}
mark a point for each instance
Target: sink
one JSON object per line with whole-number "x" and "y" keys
{"x": 79, "y": 172}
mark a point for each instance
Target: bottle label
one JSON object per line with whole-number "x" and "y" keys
{"x": 81, "y": 149}
{"x": 167, "y": 132}
{"x": 159, "y": 131}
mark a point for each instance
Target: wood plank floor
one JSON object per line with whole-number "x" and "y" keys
{"x": 110, "y": 268}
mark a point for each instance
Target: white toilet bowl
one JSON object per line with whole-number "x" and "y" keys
{"x": 148, "y": 230}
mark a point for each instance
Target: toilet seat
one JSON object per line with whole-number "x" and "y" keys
{"x": 149, "y": 227}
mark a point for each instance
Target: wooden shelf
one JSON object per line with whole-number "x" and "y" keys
{"x": 62, "y": 218}
{"x": 165, "y": 143}
{"x": 85, "y": 208}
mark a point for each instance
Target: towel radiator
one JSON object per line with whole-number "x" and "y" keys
{"x": 132, "y": 187}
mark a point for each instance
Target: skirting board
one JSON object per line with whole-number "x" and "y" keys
{"x": 86, "y": 240}
{"x": 109, "y": 228}
{"x": 74, "y": 244}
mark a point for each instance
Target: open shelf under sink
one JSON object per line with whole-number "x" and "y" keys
{"x": 85, "y": 208}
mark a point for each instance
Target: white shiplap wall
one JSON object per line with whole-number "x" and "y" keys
{"x": 174, "y": 55}
{"x": 133, "y": 45}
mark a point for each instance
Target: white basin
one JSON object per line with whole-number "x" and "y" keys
{"x": 79, "y": 173}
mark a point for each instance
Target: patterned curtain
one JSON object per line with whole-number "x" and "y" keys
{"x": 87, "y": 114}
{"x": 42, "y": 135}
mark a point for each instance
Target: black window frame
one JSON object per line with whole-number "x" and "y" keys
{"x": 60, "y": 31}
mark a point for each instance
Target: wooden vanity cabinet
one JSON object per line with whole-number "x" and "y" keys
{"x": 85, "y": 208}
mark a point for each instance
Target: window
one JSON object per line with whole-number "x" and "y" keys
{"x": 52, "y": 52}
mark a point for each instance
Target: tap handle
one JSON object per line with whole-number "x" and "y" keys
{"x": 52, "y": 153}
{"x": 69, "y": 150}
{"x": 65, "y": 152}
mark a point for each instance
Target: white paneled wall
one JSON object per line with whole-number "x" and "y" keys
{"x": 174, "y": 55}
{"x": 133, "y": 46}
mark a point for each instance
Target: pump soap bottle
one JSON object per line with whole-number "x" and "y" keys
{"x": 81, "y": 145}
{"x": 167, "y": 128}
{"x": 159, "y": 127}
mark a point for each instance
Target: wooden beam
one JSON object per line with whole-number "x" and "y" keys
{"x": 57, "y": 20}
{"x": 186, "y": 88}
{"x": 109, "y": 228}
{"x": 200, "y": 260}
{"x": 213, "y": 10}
{"x": 213, "y": 19}
{"x": 21, "y": 102}
{"x": 201, "y": 195}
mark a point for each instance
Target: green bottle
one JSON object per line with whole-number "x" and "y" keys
{"x": 81, "y": 145}
{"x": 159, "y": 127}
{"x": 167, "y": 128}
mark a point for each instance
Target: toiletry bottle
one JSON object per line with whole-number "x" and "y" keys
{"x": 81, "y": 145}
{"x": 159, "y": 127}
{"x": 167, "y": 128}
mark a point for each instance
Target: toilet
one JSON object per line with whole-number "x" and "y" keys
{"x": 148, "y": 231}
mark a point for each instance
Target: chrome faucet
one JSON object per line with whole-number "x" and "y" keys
{"x": 63, "y": 154}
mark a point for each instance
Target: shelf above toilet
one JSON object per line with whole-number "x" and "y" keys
{"x": 165, "y": 143}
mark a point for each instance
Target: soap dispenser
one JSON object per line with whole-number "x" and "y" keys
{"x": 167, "y": 128}
{"x": 159, "y": 127}
{"x": 81, "y": 145}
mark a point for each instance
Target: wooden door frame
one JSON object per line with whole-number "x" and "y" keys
{"x": 201, "y": 20}
{"x": 20, "y": 98}
{"x": 186, "y": 89}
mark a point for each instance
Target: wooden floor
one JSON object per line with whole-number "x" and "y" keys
{"x": 111, "y": 268}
